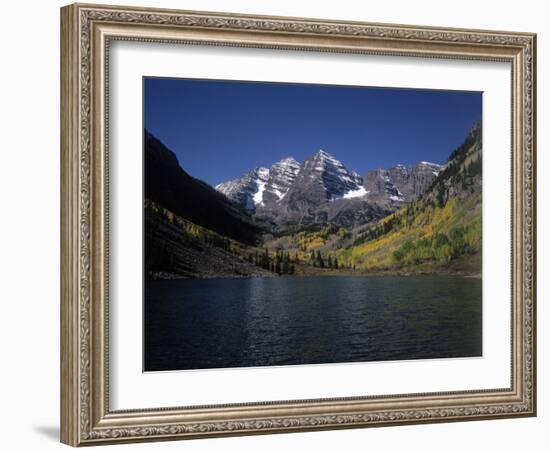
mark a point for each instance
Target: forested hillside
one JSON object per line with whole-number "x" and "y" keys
{"x": 441, "y": 226}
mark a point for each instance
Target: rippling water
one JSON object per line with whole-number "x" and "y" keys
{"x": 197, "y": 324}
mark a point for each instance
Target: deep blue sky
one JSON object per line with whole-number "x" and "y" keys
{"x": 221, "y": 129}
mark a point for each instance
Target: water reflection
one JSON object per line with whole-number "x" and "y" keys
{"x": 193, "y": 324}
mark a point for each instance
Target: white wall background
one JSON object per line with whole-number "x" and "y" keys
{"x": 29, "y": 226}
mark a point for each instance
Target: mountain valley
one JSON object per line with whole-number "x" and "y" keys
{"x": 301, "y": 218}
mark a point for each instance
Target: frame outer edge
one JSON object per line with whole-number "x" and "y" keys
{"x": 534, "y": 229}
{"x": 79, "y": 392}
{"x": 69, "y": 314}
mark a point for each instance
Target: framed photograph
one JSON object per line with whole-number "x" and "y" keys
{"x": 274, "y": 224}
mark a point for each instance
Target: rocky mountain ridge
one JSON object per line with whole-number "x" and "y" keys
{"x": 401, "y": 183}
{"x": 290, "y": 195}
{"x": 262, "y": 186}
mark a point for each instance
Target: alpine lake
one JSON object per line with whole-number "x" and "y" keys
{"x": 252, "y": 322}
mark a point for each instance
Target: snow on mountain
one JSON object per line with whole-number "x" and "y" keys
{"x": 288, "y": 187}
{"x": 282, "y": 175}
{"x": 361, "y": 192}
{"x": 259, "y": 195}
{"x": 430, "y": 164}
{"x": 401, "y": 183}
{"x": 435, "y": 168}
{"x": 321, "y": 180}
{"x": 246, "y": 190}
{"x": 380, "y": 183}
{"x": 335, "y": 178}
{"x": 262, "y": 186}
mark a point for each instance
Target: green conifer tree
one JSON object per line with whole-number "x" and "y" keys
{"x": 320, "y": 262}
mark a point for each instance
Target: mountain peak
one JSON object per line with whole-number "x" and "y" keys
{"x": 262, "y": 186}
{"x": 323, "y": 154}
{"x": 289, "y": 185}
{"x": 288, "y": 159}
{"x": 260, "y": 172}
{"x": 322, "y": 178}
{"x": 246, "y": 190}
{"x": 289, "y": 163}
{"x": 281, "y": 176}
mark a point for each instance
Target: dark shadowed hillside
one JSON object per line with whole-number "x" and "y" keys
{"x": 167, "y": 184}
{"x": 177, "y": 248}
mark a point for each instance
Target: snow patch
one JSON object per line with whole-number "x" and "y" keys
{"x": 395, "y": 198}
{"x": 258, "y": 197}
{"x": 355, "y": 193}
{"x": 430, "y": 164}
{"x": 278, "y": 193}
{"x": 360, "y": 192}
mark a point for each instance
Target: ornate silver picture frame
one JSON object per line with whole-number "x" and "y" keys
{"x": 87, "y": 32}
